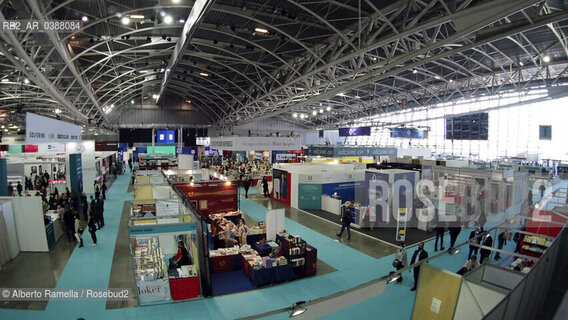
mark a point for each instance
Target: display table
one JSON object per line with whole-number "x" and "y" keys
{"x": 264, "y": 249}
{"x": 220, "y": 264}
{"x": 331, "y": 204}
{"x": 264, "y": 276}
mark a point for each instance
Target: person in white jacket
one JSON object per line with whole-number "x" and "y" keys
{"x": 77, "y": 233}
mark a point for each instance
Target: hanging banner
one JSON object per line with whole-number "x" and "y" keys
{"x": 42, "y": 129}
{"x": 352, "y": 132}
{"x": 256, "y": 143}
{"x": 285, "y": 156}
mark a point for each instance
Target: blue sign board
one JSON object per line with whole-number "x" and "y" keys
{"x": 408, "y": 133}
{"x": 165, "y": 137}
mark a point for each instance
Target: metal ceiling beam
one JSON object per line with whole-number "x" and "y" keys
{"x": 64, "y": 53}
{"x": 200, "y": 7}
{"x": 33, "y": 73}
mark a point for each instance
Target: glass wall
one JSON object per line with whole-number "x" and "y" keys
{"x": 513, "y": 130}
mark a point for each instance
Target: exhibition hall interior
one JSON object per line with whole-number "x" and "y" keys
{"x": 262, "y": 159}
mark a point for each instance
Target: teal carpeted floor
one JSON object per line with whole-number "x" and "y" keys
{"x": 89, "y": 267}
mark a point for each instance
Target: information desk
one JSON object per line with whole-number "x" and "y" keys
{"x": 53, "y": 230}
{"x": 331, "y": 204}
{"x": 183, "y": 288}
{"x": 264, "y": 276}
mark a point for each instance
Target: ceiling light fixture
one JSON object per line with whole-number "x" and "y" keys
{"x": 204, "y": 74}
{"x": 136, "y": 16}
{"x": 341, "y": 94}
{"x": 162, "y": 13}
{"x": 58, "y": 111}
{"x": 357, "y": 97}
{"x": 143, "y": 71}
{"x": 546, "y": 59}
{"x": 314, "y": 113}
{"x": 261, "y": 30}
{"x": 84, "y": 18}
{"x": 181, "y": 21}
{"x": 414, "y": 71}
{"x": 5, "y": 80}
{"x": 131, "y": 101}
{"x": 125, "y": 20}
{"x": 295, "y": 115}
{"x": 175, "y": 1}
{"x": 521, "y": 63}
{"x": 437, "y": 77}
{"x": 328, "y": 109}
{"x": 321, "y": 110}
{"x": 26, "y": 81}
{"x": 168, "y": 19}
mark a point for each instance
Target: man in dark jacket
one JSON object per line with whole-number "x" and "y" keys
{"x": 247, "y": 186}
{"x": 104, "y": 189}
{"x": 488, "y": 242}
{"x": 265, "y": 186}
{"x": 501, "y": 240}
{"x": 346, "y": 220}
{"x": 473, "y": 249}
{"x": 419, "y": 254}
{"x": 69, "y": 221}
{"x": 19, "y": 188}
{"x": 100, "y": 212}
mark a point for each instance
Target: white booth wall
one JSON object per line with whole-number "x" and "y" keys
{"x": 9, "y": 245}
{"x": 325, "y": 172}
{"x": 29, "y": 223}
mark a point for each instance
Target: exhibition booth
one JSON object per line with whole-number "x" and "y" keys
{"x": 33, "y": 165}
{"x": 268, "y": 255}
{"x": 104, "y": 162}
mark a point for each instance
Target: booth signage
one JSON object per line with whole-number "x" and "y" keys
{"x": 50, "y": 147}
{"x": 256, "y": 143}
{"x": 166, "y": 228}
{"x": 149, "y": 291}
{"x": 320, "y": 151}
{"x": 43, "y": 129}
{"x": 285, "y": 156}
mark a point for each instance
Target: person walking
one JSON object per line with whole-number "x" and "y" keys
{"x": 19, "y": 188}
{"x": 104, "y": 189}
{"x": 402, "y": 259}
{"x": 247, "y": 186}
{"x": 474, "y": 249}
{"x": 130, "y": 164}
{"x": 265, "y": 186}
{"x": 346, "y": 220}
{"x": 84, "y": 206}
{"x": 419, "y": 254}
{"x": 454, "y": 233}
{"x": 78, "y": 235}
{"x": 93, "y": 229}
{"x": 440, "y": 229}
{"x": 97, "y": 191}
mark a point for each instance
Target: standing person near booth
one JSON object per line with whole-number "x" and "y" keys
{"x": 440, "y": 229}
{"x": 85, "y": 205}
{"x": 242, "y": 231}
{"x": 93, "y": 229}
{"x": 104, "y": 189}
{"x": 487, "y": 242}
{"x": 247, "y": 186}
{"x": 97, "y": 191}
{"x": 419, "y": 254}
{"x": 19, "y": 188}
{"x": 265, "y": 186}
{"x": 69, "y": 221}
{"x": 130, "y": 164}
{"x": 474, "y": 249}
{"x": 100, "y": 208}
{"x": 346, "y": 220}
{"x": 501, "y": 240}
{"x": 78, "y": 235}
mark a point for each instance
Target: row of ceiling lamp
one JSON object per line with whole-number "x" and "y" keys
{"x": 314, "y": 113}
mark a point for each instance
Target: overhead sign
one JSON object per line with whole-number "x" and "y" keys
{"x": 43, "y": 129}
{"x": 256, "y": 143}
{"x": 285, "y": 156}
{"x": 407, "y": 133}
{"x": 50, "y": 147}
{"x": 352, "y": 132}
{"x": 350, "y": 151}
